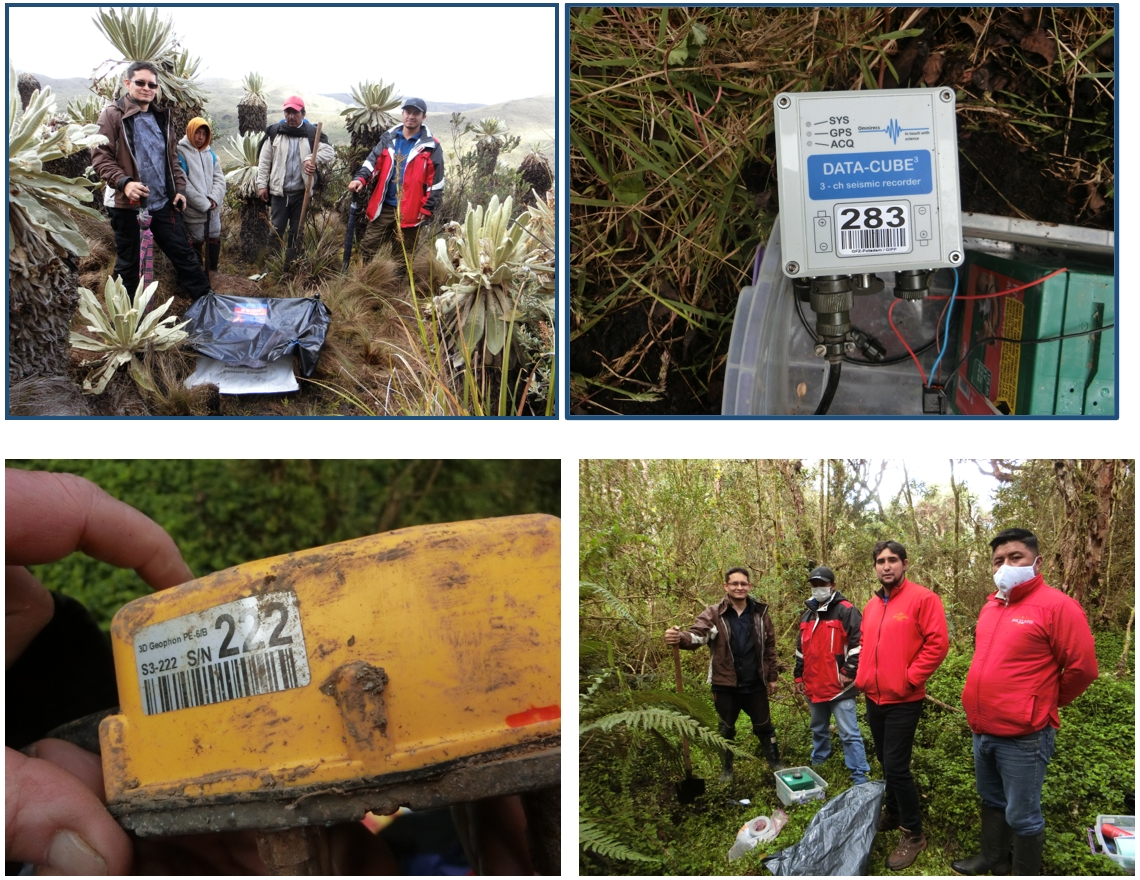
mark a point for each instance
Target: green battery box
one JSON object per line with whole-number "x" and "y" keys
{"x": 1017, "y": 375}
{"x": 802, "y": 784}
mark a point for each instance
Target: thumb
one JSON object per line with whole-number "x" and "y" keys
{"x": 54, "y": 817}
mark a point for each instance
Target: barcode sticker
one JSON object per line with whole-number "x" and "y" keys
{"x": 873, "y": 228}
{"x": 240, "y": 649}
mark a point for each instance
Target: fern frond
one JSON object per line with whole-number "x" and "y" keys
{"x": 613, "y": 601}
{"x": 663, "y": 721}
{"x": 594, "y": 839}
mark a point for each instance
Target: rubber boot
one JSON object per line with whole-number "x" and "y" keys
{"x": 910, "y": 845}
{"x": 726, "y": 767}
{"x": 199, "y": 248}
{"x": 215, "y": 251}
{"x": 771, "y": 750}
{"x": 997, "y": 838}
{"x": 1027, "y": 849}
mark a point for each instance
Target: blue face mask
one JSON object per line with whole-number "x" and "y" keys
{"x": 1009, "y": 576}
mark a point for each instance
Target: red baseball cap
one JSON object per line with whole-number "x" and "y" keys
{"x": 294, "y": 102}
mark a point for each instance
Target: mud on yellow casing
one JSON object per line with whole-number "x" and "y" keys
{"x": 404, "y": 662}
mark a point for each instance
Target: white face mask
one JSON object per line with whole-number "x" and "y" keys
{"x": 1009, "y": 576}
{"x": 821, "y": 594}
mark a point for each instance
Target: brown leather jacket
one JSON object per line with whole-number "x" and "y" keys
{"x": 711, "y": 629}
{"x": 114, "y": 161}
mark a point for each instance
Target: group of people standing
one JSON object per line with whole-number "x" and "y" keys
{"x": 1034, "y": 652}
{"x": 181, "y": 184}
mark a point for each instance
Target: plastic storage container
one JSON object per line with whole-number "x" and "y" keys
{"x": 1128, "y": 823}
{"x": 816, "y": 790}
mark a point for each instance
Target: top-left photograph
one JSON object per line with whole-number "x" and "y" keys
{"x": 278, "y": 211}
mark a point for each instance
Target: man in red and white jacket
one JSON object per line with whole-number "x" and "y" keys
{"x": 904, "y": 641}
{"x": 827, "y": 660}
{"x": 407, "y": 166}
{"x": 1033, "y": 653}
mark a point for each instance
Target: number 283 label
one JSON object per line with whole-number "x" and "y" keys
{"x": 240, "y": 649}
{"x": 882, "y": 228}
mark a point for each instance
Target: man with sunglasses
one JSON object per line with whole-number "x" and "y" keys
{"x": 743, "y": 668}
{"x": 140, "y": 161}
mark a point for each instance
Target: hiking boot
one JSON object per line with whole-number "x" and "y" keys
{"x": 997, "y": 837}
{"x": 1027, "y": 849}
{"x": 726, "y": 767}
{"x": 888, "y": 821}
{"x": 910, "y": 845}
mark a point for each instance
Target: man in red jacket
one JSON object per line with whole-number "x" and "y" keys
{"x": 904, "y": 641}
{"x": 827, "y": 661}
{"x": 1033, "y": 653}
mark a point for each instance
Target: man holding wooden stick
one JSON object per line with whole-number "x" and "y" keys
{"x": 286, "y": 168}
{"x": 743, "y": 668}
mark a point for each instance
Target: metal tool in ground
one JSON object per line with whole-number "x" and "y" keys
{"x": 418, "y": 668}
{"x": 146, "y": 249}
{"x": 690, "y": 788}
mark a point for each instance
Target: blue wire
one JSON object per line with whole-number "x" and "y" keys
{"x": 946, "y": 332}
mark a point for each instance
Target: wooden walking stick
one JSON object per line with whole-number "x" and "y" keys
{"x": 298, "y": 233}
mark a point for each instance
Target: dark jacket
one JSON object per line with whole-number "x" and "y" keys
{"x": 423, "y": 177}
{"x": 114, "y": 161}
{"x": 828, "y": 641}
{"x": 904, "y": 641}
{"x": 713, "y": 630}
{"x": 1032, "y": 653}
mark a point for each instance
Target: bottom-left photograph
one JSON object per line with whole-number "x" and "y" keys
{"x": 283, "y": 667}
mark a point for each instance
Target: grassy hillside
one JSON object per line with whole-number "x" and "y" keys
{"x": 530, "y": 118}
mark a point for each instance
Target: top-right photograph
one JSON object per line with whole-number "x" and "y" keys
{"x": 843, "y": 211}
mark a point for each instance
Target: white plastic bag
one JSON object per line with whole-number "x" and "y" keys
{"x": 755, "y": 831}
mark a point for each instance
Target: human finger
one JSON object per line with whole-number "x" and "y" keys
{"x": 57, "y": 822}
{"x": 49, "y": 516}
{"x": 28, "y": 607}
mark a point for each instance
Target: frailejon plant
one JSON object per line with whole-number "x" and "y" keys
{"x": 42, "y": 233}
{"x": 124, "y": 330}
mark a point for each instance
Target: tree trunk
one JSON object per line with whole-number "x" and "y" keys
{"x": 1086, "y": 488}
{"x": 42, "y": 296}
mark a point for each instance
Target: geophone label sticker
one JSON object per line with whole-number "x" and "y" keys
{"x": 240, "y": 649}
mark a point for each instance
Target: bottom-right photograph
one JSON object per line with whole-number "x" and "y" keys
{"x": 841, "y": 667}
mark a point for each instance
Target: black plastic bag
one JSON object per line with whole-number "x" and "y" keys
{"x": 252, "y": 332}
{"x": 838, "y": 839}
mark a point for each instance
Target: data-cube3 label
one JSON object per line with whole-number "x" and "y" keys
{"x": 862, "y": 175}
{"x": 240, "y": 649}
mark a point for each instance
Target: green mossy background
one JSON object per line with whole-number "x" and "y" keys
{"x": 655, "y": 539}
{"x": 225, "y": 512}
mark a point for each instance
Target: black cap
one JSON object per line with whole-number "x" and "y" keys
{"x": 417, "y": 103}
{"x": 823, "y": 573}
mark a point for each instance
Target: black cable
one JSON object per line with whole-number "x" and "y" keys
{"x": 889, "y": 362}
{"x": 989, "y": 339}
{"x": 829, "y": 391}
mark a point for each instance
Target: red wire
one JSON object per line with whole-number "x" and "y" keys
{"x": 914, "y": 357}
{"x": 1006, "y": 292}
{"x": 990, "y": 295}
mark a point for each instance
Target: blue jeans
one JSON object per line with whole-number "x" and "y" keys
{"x": 854, "y": 754}
{"x": 1009, "y": 771}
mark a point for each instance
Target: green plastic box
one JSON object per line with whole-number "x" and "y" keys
{"x": 1071, "y": 376}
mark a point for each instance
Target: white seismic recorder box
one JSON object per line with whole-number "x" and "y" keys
{"x": 868, "y": 181}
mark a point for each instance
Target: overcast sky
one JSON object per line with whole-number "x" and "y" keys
{"x": 936, "y": 471}
{"x": 460, "y": 54}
